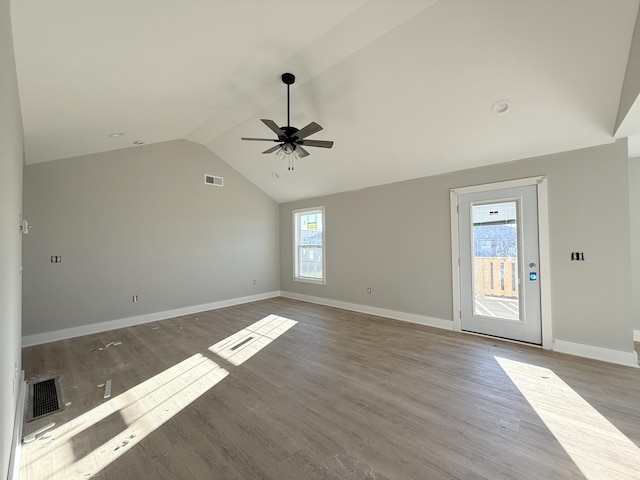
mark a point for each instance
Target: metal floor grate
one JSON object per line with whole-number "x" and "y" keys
{"x": 246, "y": 340}
{"x": 44, "y": 398}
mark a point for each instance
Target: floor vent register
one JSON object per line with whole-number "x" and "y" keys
{"x": 44, "y": 398}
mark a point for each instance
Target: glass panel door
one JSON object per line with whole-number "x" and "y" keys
{"x": 499, "y": 285}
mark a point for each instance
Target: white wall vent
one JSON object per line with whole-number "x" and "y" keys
{"x": 213, "y": 180}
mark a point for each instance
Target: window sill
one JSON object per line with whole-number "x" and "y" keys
{"x": 315, "y": 281}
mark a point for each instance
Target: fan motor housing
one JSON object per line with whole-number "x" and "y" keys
{"x": 289, "y": 132}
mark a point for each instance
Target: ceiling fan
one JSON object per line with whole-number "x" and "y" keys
{"x": 291, "y": 140}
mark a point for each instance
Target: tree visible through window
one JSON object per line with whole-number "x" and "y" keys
{"x": 309, "y": 245}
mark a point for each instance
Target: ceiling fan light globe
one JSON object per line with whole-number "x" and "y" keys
{"x": 288, "y": 148}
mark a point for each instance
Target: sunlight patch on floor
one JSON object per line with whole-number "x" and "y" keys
{"x": 597, "y": 447}
{"x": 241, "y": 346}
{"x": 142, "y": 409}
{"x": 139, "y": 411}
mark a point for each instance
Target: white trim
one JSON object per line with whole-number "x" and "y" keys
{"x": 544, "y": 251}
{"x": 16, "y": 445}
{"x": 46, "y": 337}
{"x": 314, "y": 281}
{"x": 381, "y": 312}
{"x": 543, "y": 246}
{"x": 636, "y": 335}
{"x": 455, "y": 261}
{"x": 487, "y": 187}
{"x": 629, "y": 359}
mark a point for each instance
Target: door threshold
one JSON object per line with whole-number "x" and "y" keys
{"x": 510, "y": 340}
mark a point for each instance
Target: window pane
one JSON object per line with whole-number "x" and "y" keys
{"x": 310, "y": 259}
{"x": 495, "y": 260}
{"x": 311, "y": 229}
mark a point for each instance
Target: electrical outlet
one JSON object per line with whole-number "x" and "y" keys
{"x": 255, "y": 282}
{"x": 369, "y": 290}
{"x": 135, "y": 299}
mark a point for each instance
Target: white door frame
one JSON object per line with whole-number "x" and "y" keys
{"x": 543, "y": 233}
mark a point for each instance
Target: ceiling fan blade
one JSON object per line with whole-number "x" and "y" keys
{"x": 310, "y": 129}
{"x": 260, "y": 139}
{"x": 316, "y": 143}
{"x": 303, "y": 152}
{"x": 272, "y": 149}
{"x": 273, "y": 126}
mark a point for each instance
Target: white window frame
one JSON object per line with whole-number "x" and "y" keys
{"x": 295, "y": 222}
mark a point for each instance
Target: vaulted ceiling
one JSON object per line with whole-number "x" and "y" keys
{"x": 405, "y": 88}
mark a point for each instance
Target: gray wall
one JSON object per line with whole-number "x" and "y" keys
{"x": 396, "y": 239}
{"x": 141, "y": 221}
{"x": 11, "y": 160}
{"x": 634, "y": 212}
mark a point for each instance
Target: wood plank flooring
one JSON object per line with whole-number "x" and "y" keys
{"x": 340, "y": 395}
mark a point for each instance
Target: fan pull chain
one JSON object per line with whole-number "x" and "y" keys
{"x": 291, "y": 163}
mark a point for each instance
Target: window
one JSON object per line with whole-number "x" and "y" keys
{"x": 308, "y": 239}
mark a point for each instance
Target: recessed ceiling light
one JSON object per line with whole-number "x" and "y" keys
{"x": 501, "y": 107}
{"x": 275, "y": 175}
{"x": 117, "y": 134}
{"x": 139, "y": 142}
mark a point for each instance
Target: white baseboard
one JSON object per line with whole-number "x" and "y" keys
{"x": 381, "y": 312}
{"x": 588, "y": 351}
{"x": 14, "y": 460}
{"x": 46, "y": 337}
{"x": 629, "y": 359}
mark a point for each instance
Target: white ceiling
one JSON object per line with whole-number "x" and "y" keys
{"x": 403, "y": 87}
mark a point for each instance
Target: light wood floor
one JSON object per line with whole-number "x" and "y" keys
{"x": 339, "y": 395}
